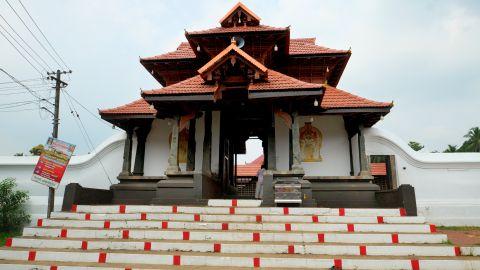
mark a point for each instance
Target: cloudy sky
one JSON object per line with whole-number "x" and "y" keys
{"x": 421, "y": 54}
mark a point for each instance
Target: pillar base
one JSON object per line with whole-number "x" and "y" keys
{"x": 297, "y": 169}
{"x": 172, "y": 170}
{"x": 365, "y": 173}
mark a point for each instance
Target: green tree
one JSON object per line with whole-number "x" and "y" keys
{"x": 472, "y": 144}
{"x": 451, "y": 149}
{"x": 13, "y": 214}
{"x": 415, "y": 145}
{"x": 37, "y": 150}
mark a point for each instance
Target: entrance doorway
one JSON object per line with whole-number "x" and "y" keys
{"x": 241, "y": 126}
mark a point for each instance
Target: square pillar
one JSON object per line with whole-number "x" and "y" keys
{"x": 207, "y": 143}
{"x": 364, "y": 171}
{"x": 271, "y": 154}
{"x": 142, "y": 134}
{"x": 296, "y": 155}
{"x": 127, "y": 153}
{"x": 192, "y": 145}
{"x": 173, "y": 156}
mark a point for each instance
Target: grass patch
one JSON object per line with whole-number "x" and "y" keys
{"x": 459, "y": 228}
{"x": 4, "y": 235}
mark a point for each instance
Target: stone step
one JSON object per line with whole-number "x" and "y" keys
{"x": 234, "y": 203}
{"x": 359, "y": 212}
{"x": 236, "y": 236}
{"x": 245, "y": 248}
{"x": 241, "y": 218}
{"x": 235, "y": 226}
{"x": 234, "y": 260}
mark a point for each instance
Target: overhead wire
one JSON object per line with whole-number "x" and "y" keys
{"x": 33, "y": 35}
{"x": 26, "y": 43}
{"x": 84, "y": 132}
{"x": 34, "y": 67}
{"x": 41, "y": 32}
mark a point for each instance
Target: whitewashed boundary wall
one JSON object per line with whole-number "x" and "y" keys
{"x": 447, "y": 185}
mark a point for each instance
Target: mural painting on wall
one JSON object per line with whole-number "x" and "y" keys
{"x": 310, "y": 143}
{"x": 182, "y": 145}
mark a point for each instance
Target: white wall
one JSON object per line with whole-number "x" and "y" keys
{"x": 447, "y": 185}
{"x": 334, "y": 150}
{"x": 157, "y": 148}
{"x": 85, "y": 170}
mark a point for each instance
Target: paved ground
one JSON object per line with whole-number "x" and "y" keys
{"x": 462, "y": 236}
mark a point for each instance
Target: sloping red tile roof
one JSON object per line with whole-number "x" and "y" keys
{"x": 139, "y": 106}
{"x": 334, "y": 98}
{"x": 278, "y": 81}
{"x": 184, "y": 51}
{"x": 220, "y": 58}
{"x": 378, "y": 169}
{"x": 238, "y": 29}
{"x": 193, "y": 85}
{"x": 250, "y": 169}
{"x": 299, "y": 46}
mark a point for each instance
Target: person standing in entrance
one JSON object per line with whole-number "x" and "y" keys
{"x": 259, "y": 187}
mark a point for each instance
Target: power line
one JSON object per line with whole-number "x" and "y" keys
{"x": 35, "y": 37}
{"x": 41, "y": 32}
{"x": 26, "y": 43}
{"x": 34, "y": 67}
{"x": 20, "y": 83}
{"x": 94, "y": 115}
{"x": 86, "y": 137}
{"x": 26, "y": 80}
{"x": 18, "y": 87}
{"x": 21, "y": 46}
{"x": 23, "y": 92}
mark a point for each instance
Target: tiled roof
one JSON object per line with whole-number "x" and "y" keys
{"x": 279, "y": 81}
{"x": 237, "y": 29}
{"x": 139, "y": 106}
{"x": 250, "y": 169}
{"x": 193, "y": 85}
{"x": 301, "y": 46}
{"x": 276, "y": 81}
{"x": 378, "y": 169}
{"x": 334, "y": 98}
{"x": 220, "y": 58}
{"x": 184, "y": 51}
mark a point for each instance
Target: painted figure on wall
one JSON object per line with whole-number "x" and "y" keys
{"x": 182, "y": 145}
{"x": 310, "y": 143}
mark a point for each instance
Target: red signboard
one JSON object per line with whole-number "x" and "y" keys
{"x": 53, "y": 162}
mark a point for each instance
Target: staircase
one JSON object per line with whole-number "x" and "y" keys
{"x": 234, "y": 234}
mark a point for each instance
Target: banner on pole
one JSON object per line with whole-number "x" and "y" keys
{"x": 53, "y": 162}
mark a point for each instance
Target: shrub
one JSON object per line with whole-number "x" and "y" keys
{"x": 13, "y": 214}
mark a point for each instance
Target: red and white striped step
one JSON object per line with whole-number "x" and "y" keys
{"x": 241, "y": 218}
{"x": 305, "y": 227}
{"x": 242, "y": 248}
{"x": 236, "y": 236}
{"x": 122, "y": 209}
{"x": 283, "y": 261}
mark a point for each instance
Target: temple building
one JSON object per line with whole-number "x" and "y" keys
{"x": 237, "y": 81}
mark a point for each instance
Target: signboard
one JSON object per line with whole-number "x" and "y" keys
{"x": 53, "y": 162}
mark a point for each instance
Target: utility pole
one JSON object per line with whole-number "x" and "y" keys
{"x": 59, "y": 84}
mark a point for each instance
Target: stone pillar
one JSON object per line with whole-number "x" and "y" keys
{"x": 297, "y": 158}
{"x": 142, "y": 134}
{"x": 364, "y": 171}
{"x": 350, "y": 152}
{"x": 192, "y": 145}
{"x": 173, "y": 156}
{"x": 207, "y": 143}
{"x": 272, "y": 156}
{"x": 127, "y": 153}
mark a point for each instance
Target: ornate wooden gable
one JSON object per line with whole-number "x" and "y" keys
{"x": 232, "y": 69}
{"x": 240, "y": 15}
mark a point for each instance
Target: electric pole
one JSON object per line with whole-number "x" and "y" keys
{"x": 59, "y": 84}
